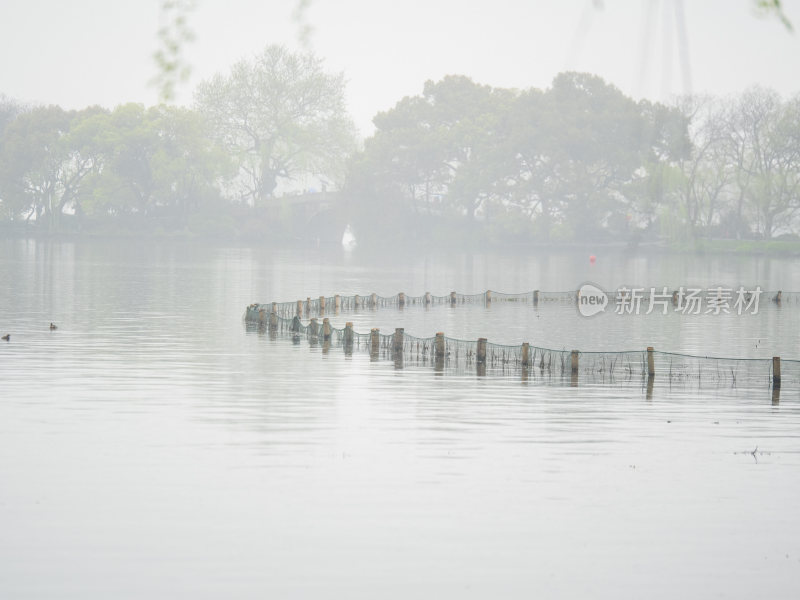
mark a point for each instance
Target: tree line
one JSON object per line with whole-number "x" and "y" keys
{"x": 576, "y": 161}
{"x": 581, "y": 161}
{"x": 273, "y": 123}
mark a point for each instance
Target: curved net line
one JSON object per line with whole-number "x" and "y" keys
{"x": 460, "y": 354}
{"x": 601, "y": 367}
{"x": 350, "y": 303}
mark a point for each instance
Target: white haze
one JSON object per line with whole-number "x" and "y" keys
{"x": 86, "y": 52}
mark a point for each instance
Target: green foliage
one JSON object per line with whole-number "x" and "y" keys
{"x": 581, "y": 161}
{"x": 462, "y": 161}
{"x": 774, "y": 8}
{"x": 173, "y": 35}
{"x": 159, "y": 163}
{"x": 563, "y": 161}
{"x": 130, "y": 166}
{"x": 434, "y": 153}
{"x": 39, "y": 169}
{"x": 280, "y": 116}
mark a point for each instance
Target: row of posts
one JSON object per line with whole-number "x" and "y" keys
{"x": 439, "y": 343}
{"x": 304, "y": 306}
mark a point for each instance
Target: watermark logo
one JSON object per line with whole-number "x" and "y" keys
{"x": 591, "y": 300}
{"x": 687, "y": 301}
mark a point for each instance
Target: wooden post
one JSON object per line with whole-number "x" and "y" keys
{"x": 373, "y": 300}
{"x": 274, "y": 307}
{"x": 326, "y": 329}
{"x": 337, "y": 303}
{"x": 526, "y": 354}
{"x": 374, "y": 343}
{"x": 401, "y": 299}
{"x": 262, "y": 316}
{"x": 452, "y": 298}
{"x": 348, "y": 337}
{"x": 427, "y": 298}
{"x": 675, "y": 298}
{"x": 778, "y": 297}
{"x": 438, "y": 348}
{"x": 273, "y": 321}
{"x": 776, "y": 371}
{"x": 308, "y": 306}
{"x": 651, "y": 368}
{"x": 299, "y": 312}
{"x": 397, "y": 342}
{"x": 322, "y": 305}
{"x": 312, "y": 327}
{"x": 480, "y": 355}
{"x": 536, "y": 297}
{"x": 488, "y": 297}
{"x": 573, "y": 380}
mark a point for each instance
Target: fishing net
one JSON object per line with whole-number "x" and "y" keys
{"x": 306, "y": 319}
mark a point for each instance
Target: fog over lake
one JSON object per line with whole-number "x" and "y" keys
{"x": 153, "y": 444}
{"x": 369, "y": 299}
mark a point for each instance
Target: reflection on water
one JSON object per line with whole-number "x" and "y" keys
{"x": 154, "y": 443}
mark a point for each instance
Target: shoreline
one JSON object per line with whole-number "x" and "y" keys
{"x": 769, "y": 248}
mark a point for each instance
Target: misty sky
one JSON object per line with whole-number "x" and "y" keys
{"x": 86, "y": 52}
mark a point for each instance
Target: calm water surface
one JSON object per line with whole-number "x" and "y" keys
{"x": 153, "y": 446}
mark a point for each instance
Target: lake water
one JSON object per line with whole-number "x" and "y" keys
{"x": 155, "y": 446}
